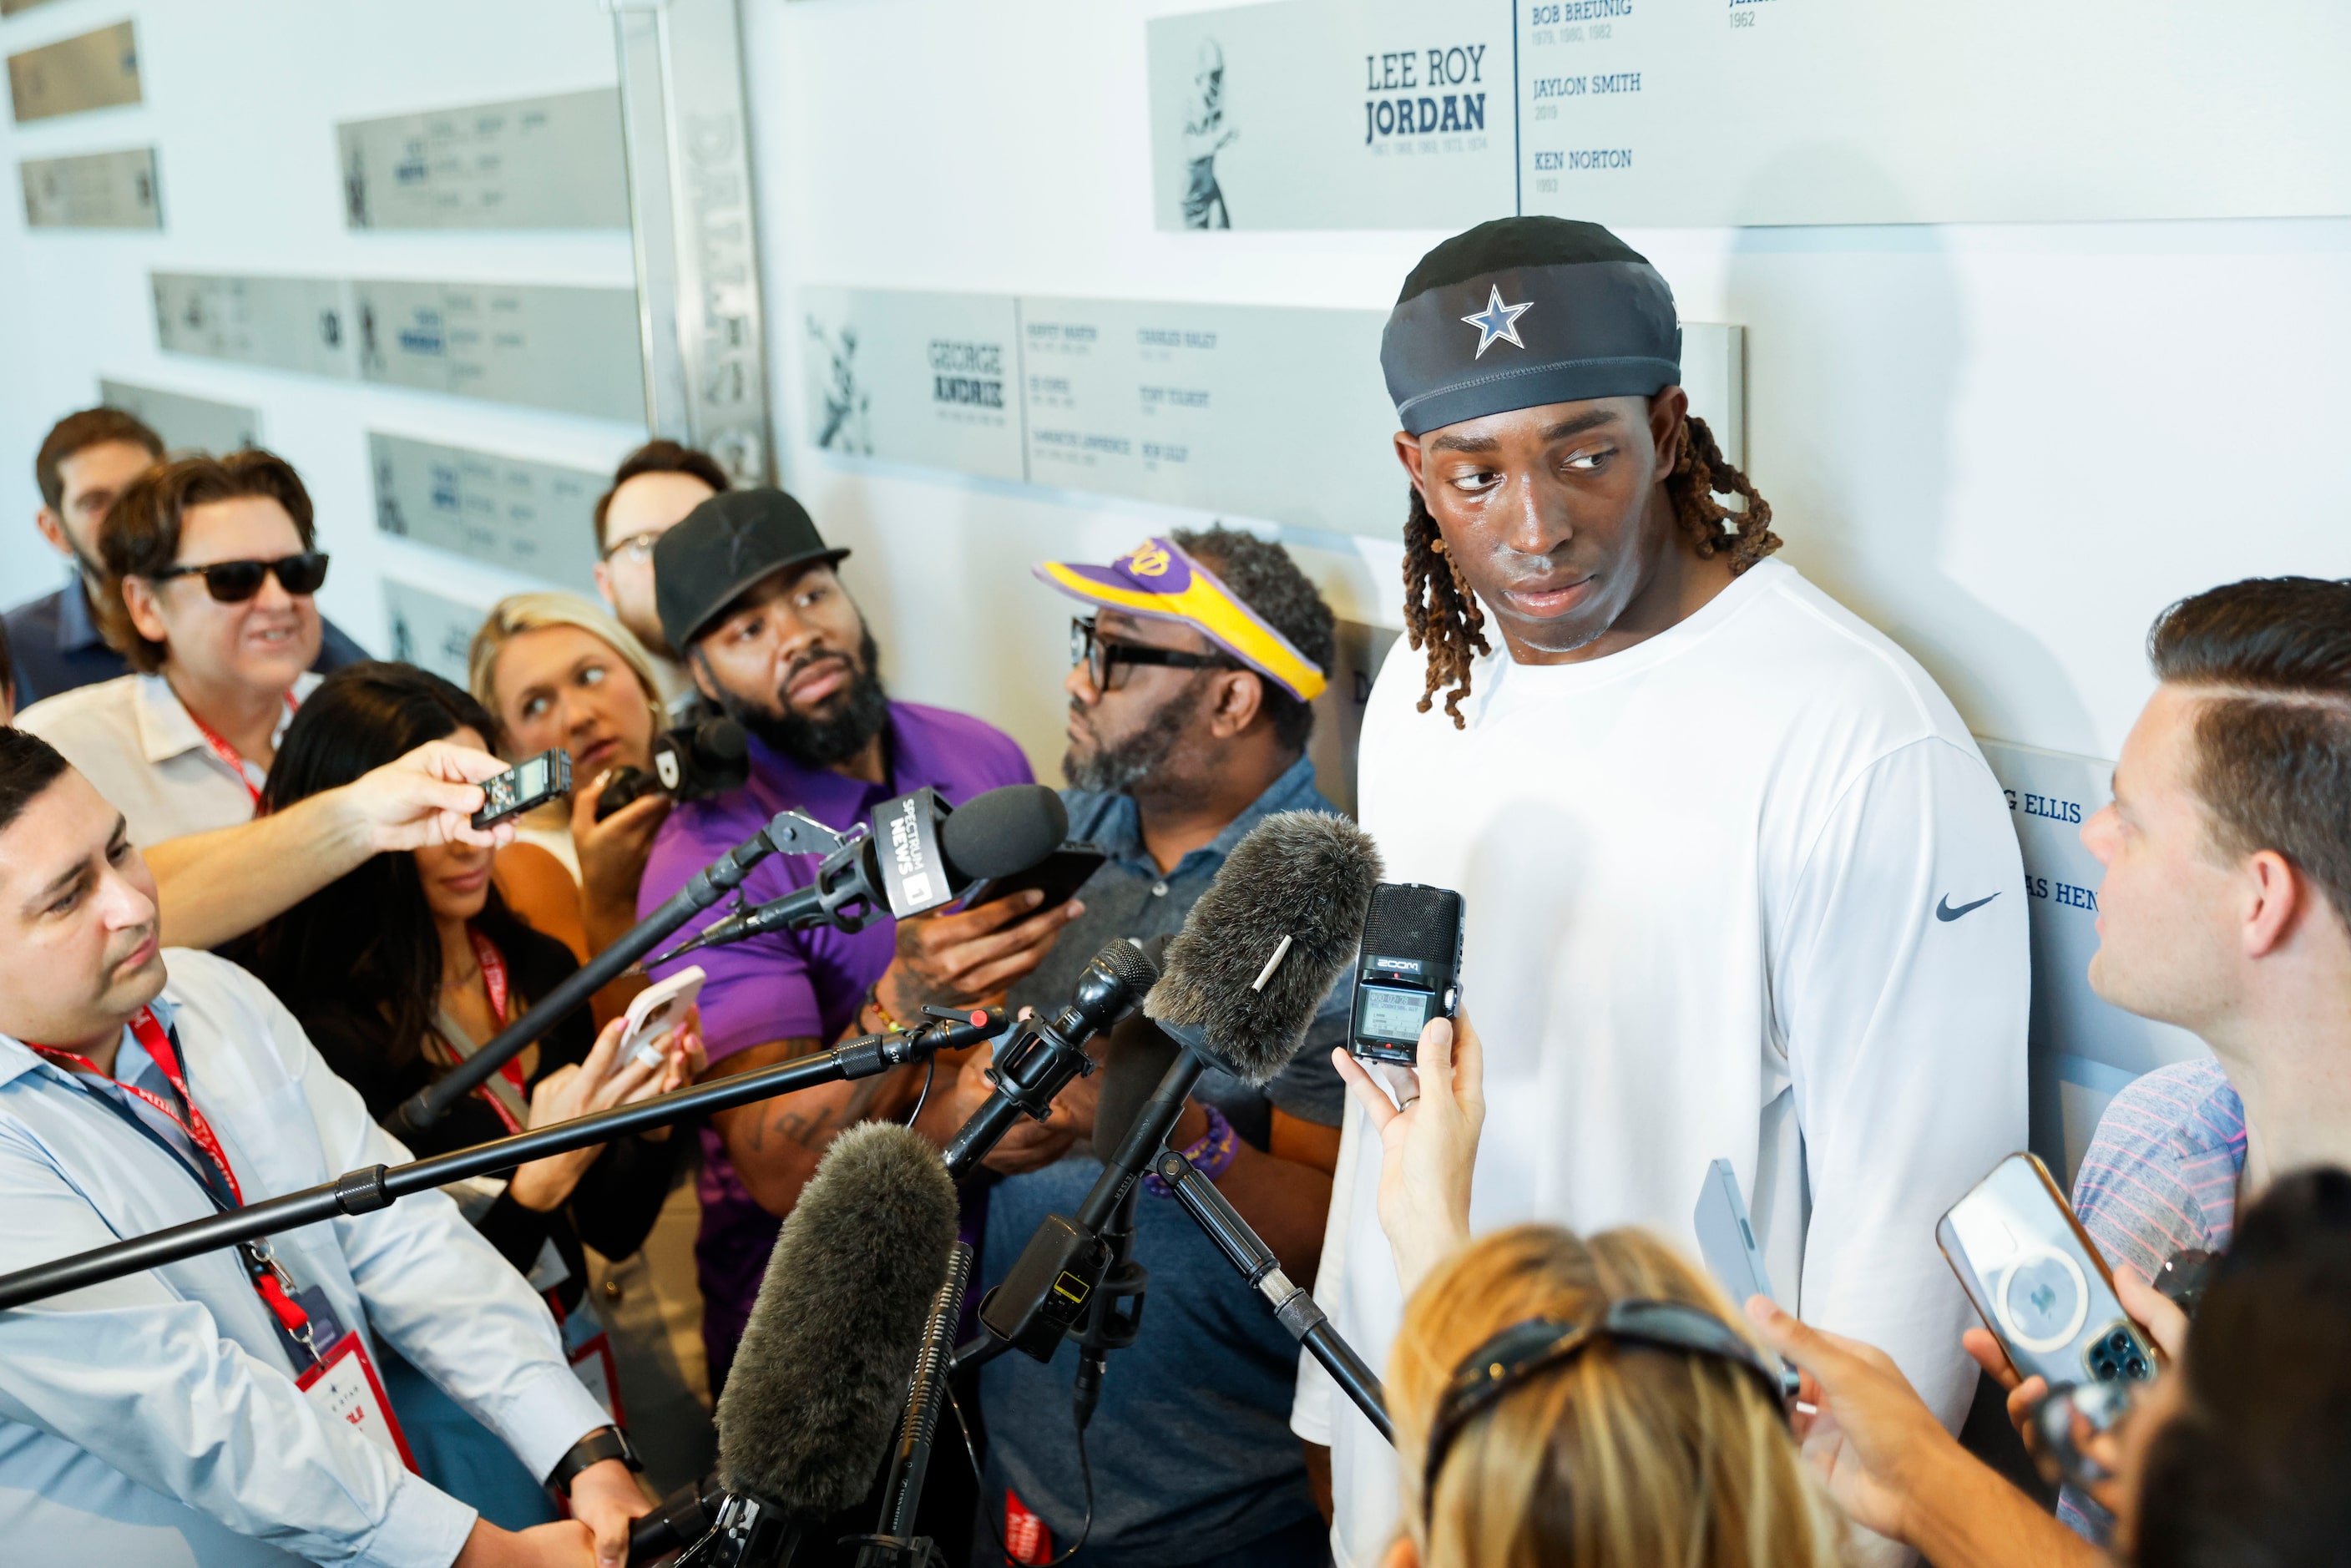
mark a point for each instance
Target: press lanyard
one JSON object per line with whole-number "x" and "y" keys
{"x": 230, "y": 755}
{"x": 269, "y": 1277}
{"x": 493, "y": 981}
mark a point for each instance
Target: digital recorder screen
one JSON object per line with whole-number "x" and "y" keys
{"x": 1389, "y": 1014}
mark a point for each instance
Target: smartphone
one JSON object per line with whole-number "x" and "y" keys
{"x": 535, "y": 782}
{"x": 1726, "y": 1238}
{"x": 1059, "y": 874}
{"x": 657, "y": 1009}
{"x": 2038, "y": 1281}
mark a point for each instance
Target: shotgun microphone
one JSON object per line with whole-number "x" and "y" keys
{"x": 815, "y": 1390}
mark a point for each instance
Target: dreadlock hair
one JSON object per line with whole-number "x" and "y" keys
{"x": 1442, "y": 616}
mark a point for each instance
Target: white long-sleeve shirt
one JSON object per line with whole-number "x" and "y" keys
{"x": 1746, "y": 891}
{"x": 155, "y": 1419}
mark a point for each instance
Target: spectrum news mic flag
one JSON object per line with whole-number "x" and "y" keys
{"x": 812, "y": 1400}
{"x": 923, "y": 854}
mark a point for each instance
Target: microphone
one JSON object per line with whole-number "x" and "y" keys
{"x": 371, "y": 1187}
{"x": 1243, "y": 979}
{"x": 1266, "y": 942}
{"x": 923, "y": 853}
{"x": 813, "y": 1396}
{"x": 1040, "y": 1057}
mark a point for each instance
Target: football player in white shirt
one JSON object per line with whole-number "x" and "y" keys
{"x": 1738, "y": 884}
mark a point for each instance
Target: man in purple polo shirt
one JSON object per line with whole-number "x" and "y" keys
{"x": 746, "y": 591}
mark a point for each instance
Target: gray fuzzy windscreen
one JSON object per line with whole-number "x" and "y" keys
{"x": 1305, "y": 875}
{"x": 814, "y": 1393}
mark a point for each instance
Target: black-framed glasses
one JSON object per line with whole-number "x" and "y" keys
{"x": 1087, "y": 647}
{"x": 235, "y": 582}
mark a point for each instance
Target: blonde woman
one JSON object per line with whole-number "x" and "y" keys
{"x": 556, "y": 670}
{"x": 1583, "y": 1404}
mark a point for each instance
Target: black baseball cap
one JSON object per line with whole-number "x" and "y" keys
{"x": 726, "y": 545}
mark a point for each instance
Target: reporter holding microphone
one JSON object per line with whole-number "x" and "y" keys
{"x": 165, "y": 1417}
{"x": 1578, "y": 1402}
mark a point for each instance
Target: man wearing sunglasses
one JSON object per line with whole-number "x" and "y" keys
{"x": 1190, "y": 713}
{"x": 87, "y": 459}
{"x": 210, "y": 569}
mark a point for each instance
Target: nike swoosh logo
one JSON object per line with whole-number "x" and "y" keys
{"x": 1943, "y": 910}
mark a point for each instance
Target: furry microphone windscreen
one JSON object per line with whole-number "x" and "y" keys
{"x": 815, "y": 1390}
{"x": 1301, "y": 876}
{"x": 1004, "y": 830}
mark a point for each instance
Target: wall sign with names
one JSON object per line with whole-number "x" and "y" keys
{"x": 187, "y": 423}
{"x": 528, "y": 164}
{"x": 542, "y": 346}
{"x": 429, "y": 630}
{"x": 1263, "y": 410}
{"x": 574, "y": 350}
{"x": 95, "y": 70}
{"x": 1312, "y": 114}
{"x": 2083, "y": 1048}
{"x": 92, "y": 191}
{"x": 1637, "y": 113}
{"x": 536, "y": 517}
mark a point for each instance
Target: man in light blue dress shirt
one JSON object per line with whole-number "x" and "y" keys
{"x": 157, "y": 1418}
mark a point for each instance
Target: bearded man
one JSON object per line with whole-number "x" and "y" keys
{"x": 1188, "y": 723}
{"x": 748, "y": 595}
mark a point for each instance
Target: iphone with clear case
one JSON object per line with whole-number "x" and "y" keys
{"x": 2038, "y": 1281}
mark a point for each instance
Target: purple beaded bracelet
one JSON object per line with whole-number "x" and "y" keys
{"x": 1211, "y": 1154}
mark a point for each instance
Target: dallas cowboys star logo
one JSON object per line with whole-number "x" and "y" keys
{"x": 1498, "y": 320}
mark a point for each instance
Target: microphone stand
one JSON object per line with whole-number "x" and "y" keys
{"x": 1036, "y": 1303}
{"x": 896, "y": 1545}
{"x": 376, "y": 1187}
{"x": 1109, "y": 1324}
{"x": 788, "y": 833}
{"x": 1293, "y": 1308}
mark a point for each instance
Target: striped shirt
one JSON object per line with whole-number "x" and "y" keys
{"x": 2160, "y": 1176}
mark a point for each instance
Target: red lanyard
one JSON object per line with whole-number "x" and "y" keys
{"x": 267, "y": 1278}
{"x": 493, "y": 981}
{"x": 230, "y": 755}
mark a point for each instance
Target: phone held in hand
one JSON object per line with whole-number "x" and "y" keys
{"x": 657, "y": 1009}
{"x": 2038, "y": 1281}
{"x": 526, "y": 785}
{"x": 1059, "y": 876}
{"x": 1726, "y": 1239}
{"x": 1408, "y": 970}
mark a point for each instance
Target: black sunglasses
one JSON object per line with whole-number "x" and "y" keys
{"x": 1512, "y": 1357}
{"x": 1088, "y": 648}
{"x": 235, "y": 582}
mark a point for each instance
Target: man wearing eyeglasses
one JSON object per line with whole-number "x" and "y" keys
{"x": 87, "y": 459}
{"x": 652, "y": 490}
{"x": 1188, "y": 721}
{"x": 209, "y": 564}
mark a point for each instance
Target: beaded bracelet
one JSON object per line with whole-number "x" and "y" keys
{"x": 1211, "y": 1154}
{"x": 890, "y": 1024}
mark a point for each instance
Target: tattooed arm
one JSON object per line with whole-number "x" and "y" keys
{"x": 775, "y": 1143}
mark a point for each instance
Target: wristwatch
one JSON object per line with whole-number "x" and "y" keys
{"x": 603, "y": 1443}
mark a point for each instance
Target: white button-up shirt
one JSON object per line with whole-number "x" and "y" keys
{"x": 155, "y": 1419}
{"x": 140, "y": 748}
